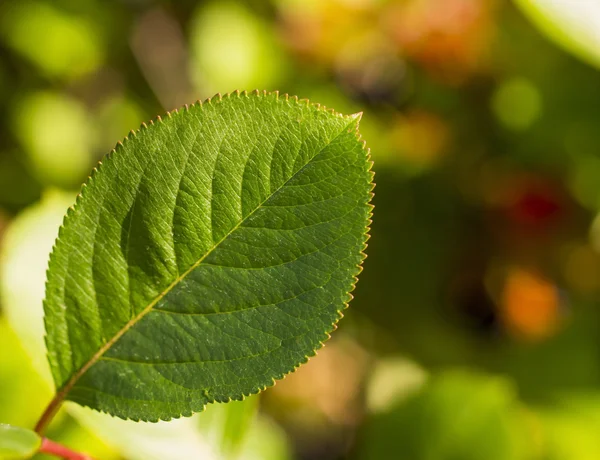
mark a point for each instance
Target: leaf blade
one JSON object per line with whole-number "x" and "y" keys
{"x": 212, "y": 230}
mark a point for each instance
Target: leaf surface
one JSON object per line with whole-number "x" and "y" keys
{"x": 17, "y": 443}
{"x": 210, "y": 254}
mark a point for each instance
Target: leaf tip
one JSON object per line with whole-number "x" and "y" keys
{"x": 356, "y": 116}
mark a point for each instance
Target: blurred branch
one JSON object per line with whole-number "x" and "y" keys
{"x": 159, "y": 47}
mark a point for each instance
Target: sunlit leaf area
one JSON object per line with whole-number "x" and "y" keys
{"x": 474, "y": 332}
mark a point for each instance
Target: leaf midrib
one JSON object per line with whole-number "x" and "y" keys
{"x": 63, "y": 392}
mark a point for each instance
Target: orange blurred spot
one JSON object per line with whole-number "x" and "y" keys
{"x": 319, "y": 30}
{"x": 450, "y": 38}
{"x": 328, "y": 384}
{"x": 530, "y": 305}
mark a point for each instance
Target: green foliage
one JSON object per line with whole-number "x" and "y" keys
{"x": 69, "y": 49}
{"x": 210, "y": 254}
{"x": 17, "y": 442}
{"x": 458, "y": 416}
{"x": 229, "y": 424}
{"x": 57, "y": 133}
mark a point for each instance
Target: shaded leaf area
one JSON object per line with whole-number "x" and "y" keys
{"x": 210, "y": 254}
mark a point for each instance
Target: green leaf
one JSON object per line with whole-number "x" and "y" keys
{"x": 210, "y": 254}
{"x": 17, "y": 443}
{"x": 228, "y": 425}
{"x": 457, "y": 415}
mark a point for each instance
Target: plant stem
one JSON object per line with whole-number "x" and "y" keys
{"x": 49, "y": 414}
{"x": 53, "y": 448}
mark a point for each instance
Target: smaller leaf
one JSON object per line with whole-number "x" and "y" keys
{"x": 237, "y": 422}
{"x": 227, "y": 425}
{"x": 17, "y": 443}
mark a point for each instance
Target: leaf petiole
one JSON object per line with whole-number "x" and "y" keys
{"x": 49, "y": 414}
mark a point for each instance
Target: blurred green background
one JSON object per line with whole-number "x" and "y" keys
{"x": 475, "y": 329}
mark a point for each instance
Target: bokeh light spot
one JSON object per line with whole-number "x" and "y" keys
{"x": 58, "y": 43}
{"x": 517, "y": 104}
{"x": 57, "y": 134}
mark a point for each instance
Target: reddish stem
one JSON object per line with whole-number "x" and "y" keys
{"x": 53, "y": 448}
